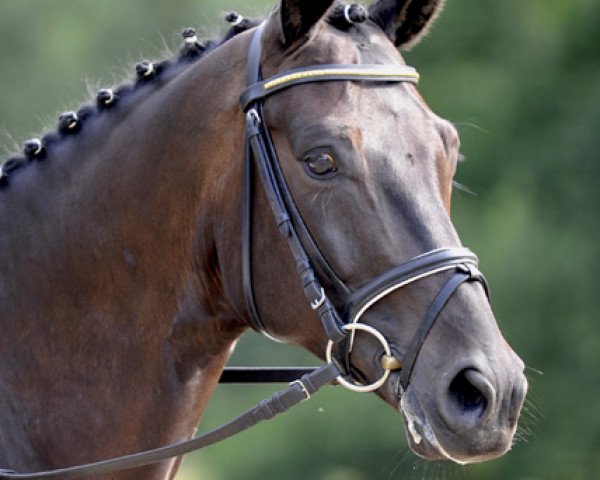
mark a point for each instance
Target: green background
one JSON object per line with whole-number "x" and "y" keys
{"x": 521, "y": 80}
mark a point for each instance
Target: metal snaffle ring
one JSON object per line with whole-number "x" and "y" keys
{"x": 386, "y": 347}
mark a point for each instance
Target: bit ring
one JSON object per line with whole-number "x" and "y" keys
{"x": 355, "y": 387}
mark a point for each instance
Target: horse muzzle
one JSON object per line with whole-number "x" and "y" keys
{"x": 472, "y": 416}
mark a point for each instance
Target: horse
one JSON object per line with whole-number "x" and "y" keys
{"x": 133, "y": 254}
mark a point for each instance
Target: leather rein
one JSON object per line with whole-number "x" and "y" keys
{"x": 338, "y": 307}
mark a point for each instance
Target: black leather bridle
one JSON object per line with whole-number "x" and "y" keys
{"x": 342, "y": 312}
{"x": 338, "y": 317}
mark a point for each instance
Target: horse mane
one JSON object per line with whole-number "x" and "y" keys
{"x": 149, "y": 73}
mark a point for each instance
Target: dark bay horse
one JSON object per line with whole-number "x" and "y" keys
{"x": 121, "y": 261}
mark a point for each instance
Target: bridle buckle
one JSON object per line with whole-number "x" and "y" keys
{"x": 303, "y": 388}
{"x": 469, "y": 269}
{"x": 315, "y": 304}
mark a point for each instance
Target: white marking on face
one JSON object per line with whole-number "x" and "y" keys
{"x": 413, "y": 419}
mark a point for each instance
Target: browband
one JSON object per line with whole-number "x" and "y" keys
{"x": 327, "y": 73}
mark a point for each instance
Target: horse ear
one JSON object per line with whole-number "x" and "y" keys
{"x": 298, "y": 17}
{"x": 405, "y": 22}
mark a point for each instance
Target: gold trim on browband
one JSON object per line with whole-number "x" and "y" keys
{"x": 343, "y": 72}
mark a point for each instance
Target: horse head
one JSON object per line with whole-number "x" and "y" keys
{"x": 369, "y": 168}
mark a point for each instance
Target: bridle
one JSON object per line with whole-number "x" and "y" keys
{"x": 339, "y": 308}
{"x": 342, "y": 315}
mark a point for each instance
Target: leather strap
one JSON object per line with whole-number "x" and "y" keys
{"x": 253, "y": 73}
{"x": 338, "y": 292}
{"x": 247, "y": 205}
{"x": 262, "y": 152}
{"x": 327, "y": 73}
{"x": 279, "y": 402}
{"x": 428, "y": 263}
{"x": 263, "y": 374}
{"x": 313, "y": 290}
{"x": 433, "y": 312}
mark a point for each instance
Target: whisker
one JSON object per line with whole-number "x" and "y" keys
{"x": 406, "y": 458}
{"x": 10, "y": 144}
{"x": 391, "y": 461}
{"x": 463, "y": 188}
{"x": 458, "y": 126}
{"x": 327, "y": 200}
{"x": 534, "y": 370}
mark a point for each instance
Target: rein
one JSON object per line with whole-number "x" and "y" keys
{"x": 338, "y": 317}
{"x": 279, "y": 402}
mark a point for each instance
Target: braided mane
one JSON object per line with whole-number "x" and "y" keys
{"x": 147, "y": 73}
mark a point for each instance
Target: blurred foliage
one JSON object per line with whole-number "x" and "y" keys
{"x": 521, "y": 82}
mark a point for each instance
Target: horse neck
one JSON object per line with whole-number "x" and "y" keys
{"x": 114, "y": 288}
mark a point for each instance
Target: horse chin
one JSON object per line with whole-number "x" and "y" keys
{"x": 421, "y": 437}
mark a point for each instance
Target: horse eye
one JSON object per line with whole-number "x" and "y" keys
{"x": 320, "y": 163}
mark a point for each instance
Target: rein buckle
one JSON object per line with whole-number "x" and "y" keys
{"x": 315, "y": 304}
{"x": 303, "y": 388}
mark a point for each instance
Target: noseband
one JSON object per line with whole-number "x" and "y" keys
{"x": 339, "y": 308}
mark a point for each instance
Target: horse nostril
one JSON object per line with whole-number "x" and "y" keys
{"x": 469, "y": 400}
{"x": 464, "y": 391}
